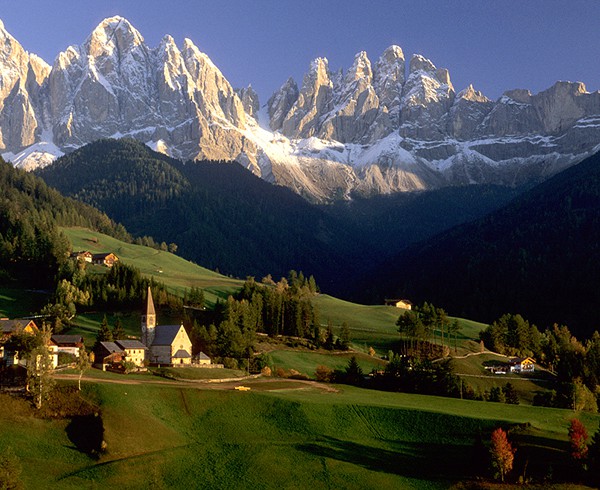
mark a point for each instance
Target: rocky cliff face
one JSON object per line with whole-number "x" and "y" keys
{"x": 21, "y": 78}
{"x": 372, "y": 129}
{"x": 113, "y": 84}
{"x": 407, "y": 133}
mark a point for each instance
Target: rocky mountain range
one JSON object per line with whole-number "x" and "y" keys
{"x": 376, "y": 128}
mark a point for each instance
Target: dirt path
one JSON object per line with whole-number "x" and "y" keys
{"x": 261, "y": 383}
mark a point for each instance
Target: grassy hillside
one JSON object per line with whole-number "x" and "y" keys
{"x": 307, "y": 362}
{"x": 173, "y": 437}
{"x": 471, "y": 370}
{"x": 176, "y": 273}
{"x": 375, "y": 325}
{"x": 15, "y": 303}
{"x": 369, "y": 325}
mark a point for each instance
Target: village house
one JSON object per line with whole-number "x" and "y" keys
{"x": 108, "y": 354}
{"x": 403, "y": 304}
{"x": 8, "y": 328}
{"x": 113, "y": 354}
{"x": 522, "y": 365}
{"x": 67, "y": 344}
{"x": 108, "y": 259}
{"x": 167, "y": 344}
{"x": 133, "y": 350}
{"x": 83, "y": 255}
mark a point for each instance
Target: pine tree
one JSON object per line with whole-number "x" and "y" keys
{"x": 345, "y": 337}
{"x": 510, "y": 394}
{"x": 104, "y": 334}
{"x": 502, "y": 453}
{"x": 354, "y": 372}
{"x": 329, "y": 338}
{"x": 118, "y": 332}
{"x": 496, "y": 395}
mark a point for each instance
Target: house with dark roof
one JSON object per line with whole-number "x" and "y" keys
{"x": 10, "y": 327}
{"x": 113, "y": 354}
{"x": 133, "y": 350}
{"x": 108, "y": 259}
{"x": 167, "y": 344}
{"x": 522, "y": 365}
{"x": 82, "y": 255}
{"x": 68, "y": 344}
{"x": 108, "y": 354}
{"x": 8, "y": 355}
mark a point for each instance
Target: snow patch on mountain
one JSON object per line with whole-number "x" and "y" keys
{"x": 38, "y": 155}
{"x": 376, "y": 128}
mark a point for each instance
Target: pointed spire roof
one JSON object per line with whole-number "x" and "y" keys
{"x": 150, "y": 305}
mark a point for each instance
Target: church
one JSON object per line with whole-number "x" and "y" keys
{"x": 167, "y": 344}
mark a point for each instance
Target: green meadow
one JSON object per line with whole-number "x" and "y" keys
{"x": 307, "y": 362}
{"x": 370, "y": 325}
{"x": 160, "y": 436}
{"x": 282, "y": 434}
{"x": 176, "y": 273}
{"x": 375, "y": 325}
{"x": 15, "y": 303}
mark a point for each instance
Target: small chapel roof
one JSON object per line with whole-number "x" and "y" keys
{"x": 182, "y": 354}
{"x": 165, "y": 334}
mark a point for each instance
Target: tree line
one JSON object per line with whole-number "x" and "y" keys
{"x": 32, "y": 248}
{"x": 269, "y": 307}
{"x": 575, "y": 363}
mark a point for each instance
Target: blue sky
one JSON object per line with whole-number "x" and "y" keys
{"x": 495, "y": 44}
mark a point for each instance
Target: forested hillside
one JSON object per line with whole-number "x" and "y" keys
{"x": 223, "y": 217}
{"x": 31, "y": 247}
{"x": 539, "y": 256}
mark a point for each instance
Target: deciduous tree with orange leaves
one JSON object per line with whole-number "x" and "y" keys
{"x": 578, "y": 437}
{"x": 502, "y": 453}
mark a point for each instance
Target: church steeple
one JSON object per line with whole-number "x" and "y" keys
{"x": 149, "y": 321}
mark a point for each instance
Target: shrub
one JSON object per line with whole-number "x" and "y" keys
{"x": 324, "y": 374}
{"x": 10, "y": 471}
{"x": 64, "y": 358}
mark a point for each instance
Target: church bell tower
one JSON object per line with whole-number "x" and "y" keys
{"x": 149, "y": 321}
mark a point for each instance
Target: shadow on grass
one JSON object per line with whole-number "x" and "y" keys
{"x": 537, "y": 457}
{"x": 428, "y": 461}
{"x": 541, "y": 458}
{"x": 86, "y": 432}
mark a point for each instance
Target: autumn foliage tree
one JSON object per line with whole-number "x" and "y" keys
{"x": 502, "y": 453}
{"x": 578, "y": 439}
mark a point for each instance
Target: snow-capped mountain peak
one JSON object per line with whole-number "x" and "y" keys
{"x": 114, "y": 34}
{"x": 375, "y": 128}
